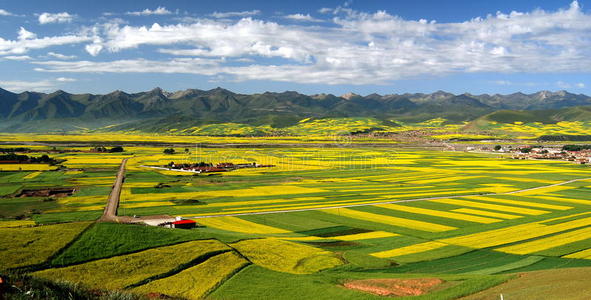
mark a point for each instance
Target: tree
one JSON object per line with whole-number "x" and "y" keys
{"x": 498, "y": 147}
{"x": 117, "y": 149}
{"x": 169, "y": 151}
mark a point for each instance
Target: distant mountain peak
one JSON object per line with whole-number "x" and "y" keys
{"x": 349, "y": 96}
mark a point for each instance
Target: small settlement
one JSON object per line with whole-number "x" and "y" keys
{"x": 580, "y": 154}
{"x": 209, "y": 167}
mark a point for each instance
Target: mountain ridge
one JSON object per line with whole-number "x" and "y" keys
{"x": 61, "y": 110}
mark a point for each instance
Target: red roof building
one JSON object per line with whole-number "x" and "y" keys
{"x": 185, "y": 224}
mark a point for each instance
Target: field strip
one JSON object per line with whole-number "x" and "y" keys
{"x": 522, "y": 203}
{"x": 560, "y": 199}
{"x": 486, "y": 213}
{"x": 375, "y": 203}
{"x": 240, "y": 225}
{"x": 395, "y": 221}
{"x": 530, "y": 260}
{"x": 497, "y": 207}
{"x": 549, "y": 242}
{"x": 437, "y": 213}
{"x": 513, "y": 234}
{"x": 584, "y": 254}
{"x": 350, "y": 237}
{"x": 412, "y": 249}
{"x": 32, "y": 175}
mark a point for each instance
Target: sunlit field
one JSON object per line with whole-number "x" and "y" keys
{"x": 320, "y": 216}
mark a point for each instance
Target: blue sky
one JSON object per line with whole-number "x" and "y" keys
{"x": 307, "y": 46}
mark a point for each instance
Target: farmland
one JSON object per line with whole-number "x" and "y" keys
{"x": 321, "y": 217}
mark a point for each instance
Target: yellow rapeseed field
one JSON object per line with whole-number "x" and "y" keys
{"x": 412, "y": 249}
{"x": 396, "y": 221}
{"x": 503, "y": 208}
{"x": 195, "y": 282}
{"x": 438, "y": 213}
{"x": 522, "y": 203}
{"x": 285, "y": 256}
{"x": 28, "y": 246}
{"x": 486, "y": 213}
{"x": 121, "y": 271}
{"x": 549, "y": 242}
{"x": 32, "y": 175}
{"x": 239, "y": 225}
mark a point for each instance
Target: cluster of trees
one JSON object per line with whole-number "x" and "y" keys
{"x": 172, "y": 151}
{"x": 11, "y": 150}
{"x": 43, "y": 159}
{"x": 575, "y": 147}
{"x": 105, "y": 149}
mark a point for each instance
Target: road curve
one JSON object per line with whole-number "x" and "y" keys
{"x": 110, "y": 212}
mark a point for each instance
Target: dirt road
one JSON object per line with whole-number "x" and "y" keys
{"x": 110, "y": 212}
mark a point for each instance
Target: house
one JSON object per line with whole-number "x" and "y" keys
{"x": 184, "y": 224}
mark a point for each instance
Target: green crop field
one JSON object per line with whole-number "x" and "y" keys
{"x": 319, "y": 219}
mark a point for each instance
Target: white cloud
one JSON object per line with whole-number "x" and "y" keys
{"x": 566, "y": 85}
{"x": 65, "y": 79}
{"x": 160, "y": 10}
{"x": 60, "y": 56}
{"x": 17, "y": 57}
{"x": 6, "y": 13}
{"x": 302, "y": 17}
{"x": 27, "y": 41}
{"x": 44, "y": 85}
{"x": 359, "y": 48}
{"x": 23, "y": 34}
{"x": 230, "y": 14}
{"x": 63, "y": 17}
{"x": 93, "y": 49}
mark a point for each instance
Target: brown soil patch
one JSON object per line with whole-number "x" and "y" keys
{"x": 51, "y": 192}
{"x": 395, "y": 286}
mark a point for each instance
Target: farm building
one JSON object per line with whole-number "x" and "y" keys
{"x": 184, "y": 224}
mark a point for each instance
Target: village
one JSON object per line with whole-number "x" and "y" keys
{"x": 580, "y": 154}
{"x": 203, "y": 167}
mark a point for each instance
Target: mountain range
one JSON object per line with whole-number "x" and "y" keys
{"x": 156, "y": 109}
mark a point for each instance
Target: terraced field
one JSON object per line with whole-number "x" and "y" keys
{"x": 321, "y": 217}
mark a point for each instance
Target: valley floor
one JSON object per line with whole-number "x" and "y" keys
{"x": 318, "y": 221}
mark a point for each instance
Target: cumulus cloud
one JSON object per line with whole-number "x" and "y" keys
{"x": 6, "y": 13}
{"x": 358, "y": 48}
{"x": 63, "y": 17}
{"x": 160, "y": 10}
{"x": 24, "y": 34}
{"x": 302, "y": 17}
{"x": 231, "y": 14}
{"x": 580, "y": 85}
{"x": 27, "y": 41}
